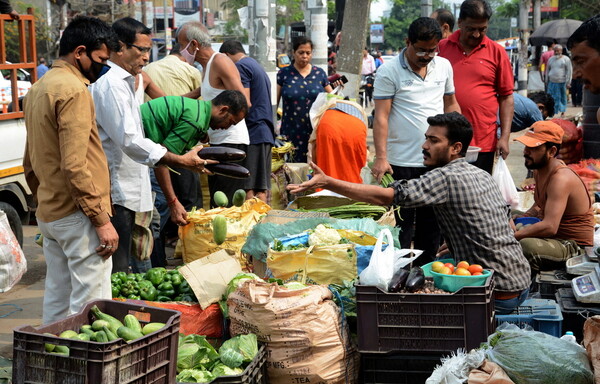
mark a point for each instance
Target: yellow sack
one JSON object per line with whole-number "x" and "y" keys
{"x": 331, "y": 264}
{"x": 197, "y": 236}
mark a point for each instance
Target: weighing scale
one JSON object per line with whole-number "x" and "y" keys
{"x": 586, "y": 288}
{"x": 581, "y": 265}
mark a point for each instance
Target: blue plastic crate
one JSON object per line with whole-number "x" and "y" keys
{"x": 541, "y": 314}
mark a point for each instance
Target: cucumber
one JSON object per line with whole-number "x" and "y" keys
{"x": 220, "y": 199}
{"x": 61, "y": 350}
{"x": 152, "y": 327}
{"x": 86, "y": 329}
{"x": 219, "y": 225}
{"x": 132, "y": 323}
{"x": 239, "y": 197}
{"x": 98, "y": 324}
{"x": 113, "y": 323}
{"x": 128, "y": 334}
{"x": 68, "y": 334}
{"x": 101, "y": 337}
{"x": 84, "y": 337}
{"x": 49, "y": 347}
{"x": 110, "y": 335}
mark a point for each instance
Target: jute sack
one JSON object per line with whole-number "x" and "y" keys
{"x": 302, "y": 329}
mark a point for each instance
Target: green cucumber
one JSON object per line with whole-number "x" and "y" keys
{"x": 84, "y": 337}
{"x": 114, "y": 323}
{"x": 239, "y": 197}
{"x": 110, "y": 334}
{"x": 101, "y": 337}
{"x": 86, "y": 329}
{"x": 61, "y": 350}
{"x": 98, "y": 324}
{"x": 132, "y": 323}
{"x": 128, "y": 334}
{"x": 49, "y": 347}
{"x": 68, "y": 334}
{"x": 152, "y": 327}
{"x": 219, "y": 225}
{"x": 220, "y": 199}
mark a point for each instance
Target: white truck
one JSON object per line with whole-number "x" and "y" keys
{"x": 16, "y": 199}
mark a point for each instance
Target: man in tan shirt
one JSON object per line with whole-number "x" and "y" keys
{"x": 66, "y": 169}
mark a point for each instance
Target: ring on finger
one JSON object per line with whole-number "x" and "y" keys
{"x": 103, "y": 245}
{"x": 205, "y": 162}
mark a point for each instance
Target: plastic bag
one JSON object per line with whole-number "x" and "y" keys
{"x": 384, "y": 262}
{"x": 501, "y": 175}
{"x": 531, "y": 357}
{"x": 12, "y": 260}
{"x": 455, "y": 368}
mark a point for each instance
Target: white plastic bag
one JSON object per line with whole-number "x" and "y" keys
{"x": 12, "y": 260}
{"x": 501, "y": 175}
{"x": 385, "y": 262}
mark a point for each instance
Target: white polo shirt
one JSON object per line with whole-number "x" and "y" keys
{"x": 414, "y": 99}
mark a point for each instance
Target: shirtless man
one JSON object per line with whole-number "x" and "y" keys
{"x": 562, "y": 203}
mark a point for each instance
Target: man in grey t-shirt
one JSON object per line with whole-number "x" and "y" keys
{"x": 559, "y": 73}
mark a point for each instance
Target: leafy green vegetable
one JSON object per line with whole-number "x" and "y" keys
{"x": 238, "y": 280}
{"x": 246, "y": 345}
{"x": 278, "y": 246}
{"x": 223, "y": 370}
{"x": 195, "y": 376}
{"x": 347, "y": 296}
{"x": 232, "y": 358}
{"x": 195, "y": 352}
{"x": 293, "y": 285}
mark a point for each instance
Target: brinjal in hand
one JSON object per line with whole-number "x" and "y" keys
{"x": 222, "y": 154}
{"x": 398, "y": 280}
{"x": 415, "y": 280}
{"x": 229, "y": 169}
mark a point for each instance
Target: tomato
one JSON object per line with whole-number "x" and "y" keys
{"x": 462, "y": 264}
{"x": 476, "y": 274}
{"x": 450, "y": 266}
{"x": 437, "y": 266}
{"x": 475, "y": 268}
{"x": 445, "y": 271}
{"x": 462, "y": 272}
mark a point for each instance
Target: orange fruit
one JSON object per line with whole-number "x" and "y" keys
{"x": 450, "y": 266}
{"x": 445, "y": 271}
{"x": 437, "y": 266}
{"x": 462, "y": 264}
{"x": 476, "y": 274}
{"x": 462, "y": 272}
{"x": 475, "y": 268}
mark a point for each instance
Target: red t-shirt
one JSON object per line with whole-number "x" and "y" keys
{"x": 479, "y": 78}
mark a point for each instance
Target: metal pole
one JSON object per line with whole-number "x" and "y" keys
{"x": 316, "y": 29}
{"x": 426, "y": 8}
{"x": 524, "y": 39}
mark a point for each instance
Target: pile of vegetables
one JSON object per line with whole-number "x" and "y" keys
{"x": 104, "y": 329}
{"x": 351, "y": 211}
{"x": 322, "y": 235}
{"x": 199, "y": 362}
{"x": 157, "y": 284}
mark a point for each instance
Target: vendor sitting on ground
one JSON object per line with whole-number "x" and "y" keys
{"x": 471, "y": 212}
{"x": 562, "y": 203}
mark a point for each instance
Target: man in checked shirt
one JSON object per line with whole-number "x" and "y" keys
{"x": 471, "y": 212}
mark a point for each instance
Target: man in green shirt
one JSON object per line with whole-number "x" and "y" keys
{"x": 179, "y": 123}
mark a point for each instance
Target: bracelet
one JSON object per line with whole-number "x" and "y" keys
{"x": 172, "y": 202}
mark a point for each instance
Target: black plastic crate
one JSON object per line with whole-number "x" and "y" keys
{"x": 151, "y": 359}
{"x": 436, "y": 323}
{"x": 574, "y": 312}
{"x": 548, "y": 282}
{"x": 397, "y": 368}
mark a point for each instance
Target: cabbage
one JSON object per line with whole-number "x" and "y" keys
{"x": 294, "y": 285}
{"x": 195, "y": 352}
{"x": 245, "y": 345}
{"x": 238, "y": 280}
{"x": 195, "y": 376}
{"x": 232, "y": 358}
{"x": 223, "y": 370}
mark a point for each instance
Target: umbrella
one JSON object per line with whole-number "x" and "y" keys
{"x": 559, "y": 30}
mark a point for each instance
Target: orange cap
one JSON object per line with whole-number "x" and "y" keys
{"x": 541, "y": 132}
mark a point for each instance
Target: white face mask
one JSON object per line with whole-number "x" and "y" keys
{"x": 189, "y": 58}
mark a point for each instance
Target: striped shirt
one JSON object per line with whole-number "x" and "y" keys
{"x": 176, "y": 122}
{"x": 473, "y": 218}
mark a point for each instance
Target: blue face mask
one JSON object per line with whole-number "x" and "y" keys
{"x": 99, "y": 69}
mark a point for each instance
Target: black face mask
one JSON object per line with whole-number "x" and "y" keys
{"x": 96, "y": 70}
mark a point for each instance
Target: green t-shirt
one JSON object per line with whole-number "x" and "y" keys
{"x": 176, "y": 122}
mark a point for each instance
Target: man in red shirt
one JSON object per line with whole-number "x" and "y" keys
{"x": 483, "y": 79}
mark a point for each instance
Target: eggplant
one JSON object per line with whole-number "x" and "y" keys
{"x": 415, "y": 280}
{"x": 229, "y": 169}
{"x": 398, "y": 280}
{"x": 222, "y": 154}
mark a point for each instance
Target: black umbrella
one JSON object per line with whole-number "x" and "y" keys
{"x": 559, "y": 30}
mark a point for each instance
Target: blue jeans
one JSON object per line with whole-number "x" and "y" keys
{"x": 558, "y": 91}
{"x": 504, "y": 307}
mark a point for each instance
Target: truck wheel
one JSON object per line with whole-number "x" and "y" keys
{"x": 14, "y": 220}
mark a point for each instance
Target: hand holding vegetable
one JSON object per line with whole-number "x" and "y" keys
{"x": 318, "y": 180}
{"x": 380, "y": 168}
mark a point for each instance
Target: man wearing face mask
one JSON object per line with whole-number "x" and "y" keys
{"x": 409, "y": 88}
{"x": 220, "y": 73}
{"x": 484, "y": 81}
{"x": 129, "y": 153}
{"x": 66, "y": 169}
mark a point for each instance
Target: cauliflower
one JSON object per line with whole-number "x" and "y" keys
{"x": 324, "y": 236}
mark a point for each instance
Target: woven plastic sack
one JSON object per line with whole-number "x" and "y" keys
{"x": 531, "y": 357}
{"x": 12, "y": 260}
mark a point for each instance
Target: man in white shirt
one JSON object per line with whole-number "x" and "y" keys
{"x": 408, "y": 89}
{"x": 128, "y": 152}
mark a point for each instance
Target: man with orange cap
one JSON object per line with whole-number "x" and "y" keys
{"x": 562, "y": 203}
